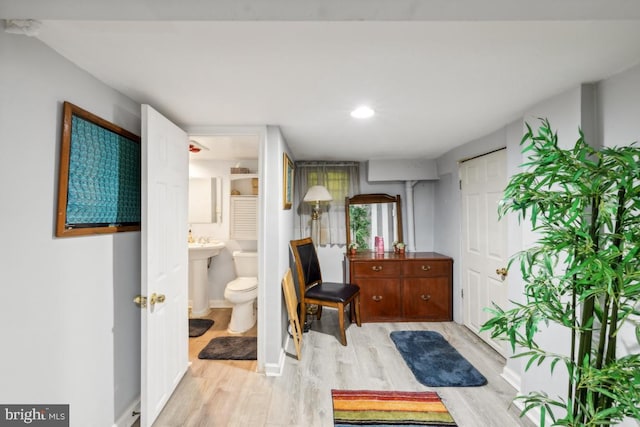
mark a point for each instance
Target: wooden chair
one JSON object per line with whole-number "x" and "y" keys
{"x": 291, "y": 300}
{"x": 314, "y": 291}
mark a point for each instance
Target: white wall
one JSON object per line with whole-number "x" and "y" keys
{"x": 618, "y": 111}
{"x": 69, "y": 329}
{"x": 276, "y": 230}
{"x": 564, "y": 113}
{"x": 619, "y": 108}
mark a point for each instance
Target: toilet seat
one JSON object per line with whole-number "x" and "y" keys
{"x": 243, "y": 284}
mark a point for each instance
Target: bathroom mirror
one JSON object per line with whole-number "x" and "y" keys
{"x": 371, "y": 215}
{"x": 205, "y": 204}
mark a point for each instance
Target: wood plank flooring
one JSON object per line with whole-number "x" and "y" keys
{"x": 231, "y": 393}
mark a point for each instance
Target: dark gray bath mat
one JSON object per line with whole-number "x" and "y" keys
{"x": 231, "y": 348}
{"x": 198, "y": 327}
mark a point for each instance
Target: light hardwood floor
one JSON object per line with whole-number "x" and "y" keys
{"x": 231, "y": 393}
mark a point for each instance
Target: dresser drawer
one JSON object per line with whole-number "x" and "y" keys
{"x": 427, "y": 268}
{"x": 379, "y": 300}
{"x": 376, "y": 269}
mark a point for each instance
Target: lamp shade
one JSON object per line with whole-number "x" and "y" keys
{"x": 317, "y": 193}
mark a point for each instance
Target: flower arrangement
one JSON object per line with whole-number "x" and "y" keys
{"x": 399, "y": 247}
{"x": 353, "y": 248}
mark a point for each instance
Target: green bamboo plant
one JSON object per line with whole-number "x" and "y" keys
{"x": 583, "y": 274}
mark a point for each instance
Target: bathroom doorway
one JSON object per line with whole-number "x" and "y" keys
{"x": 228, "y": 158}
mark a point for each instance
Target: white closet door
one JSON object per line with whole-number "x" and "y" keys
{"x": 484, "y": 246}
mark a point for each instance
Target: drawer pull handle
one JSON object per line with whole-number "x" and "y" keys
{"x": 376, "y": 268}
{"x": 426, "y": 267}
{"x": 425, "y": 297}
{"x": 377, "y": 298}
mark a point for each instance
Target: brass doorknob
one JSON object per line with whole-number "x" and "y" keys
{"x": 502, "y": 272}
{"x": 140, "y": 301}
{"x": 156, "y": 298}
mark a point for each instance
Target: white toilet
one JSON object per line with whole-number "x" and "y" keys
{"x": 243, "y": 292}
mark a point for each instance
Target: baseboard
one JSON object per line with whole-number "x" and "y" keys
{"x": 532, "y": 415}
{"x": 127, "y": 418}
{"x": 511, "y": 377}
{"x": 275, "y": 369}
{"x": 219, "y": 303}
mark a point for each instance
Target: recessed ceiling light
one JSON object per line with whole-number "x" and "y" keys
{"x": 362, "y": 112}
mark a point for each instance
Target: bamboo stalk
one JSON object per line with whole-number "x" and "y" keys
{"x": 586, "y": 334}
{"x": 605, "y": 401}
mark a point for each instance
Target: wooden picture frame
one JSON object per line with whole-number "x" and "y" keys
{"x": 287, "y": 179}
{"x": 99, "y": 182}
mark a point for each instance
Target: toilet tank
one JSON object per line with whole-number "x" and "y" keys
{"x": 246, "y": 263}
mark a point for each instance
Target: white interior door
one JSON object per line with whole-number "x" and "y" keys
{"x": 165, "y": 171}
{"x": 484, "y": 246}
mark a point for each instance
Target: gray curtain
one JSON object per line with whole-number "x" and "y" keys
{"x": 342, "y": 179}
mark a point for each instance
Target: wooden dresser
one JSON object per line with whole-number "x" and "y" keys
{"x": 416, "y": 286}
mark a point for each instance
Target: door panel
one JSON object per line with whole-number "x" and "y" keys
{"x": 484, "y": 240}
{"x": 164, "y": 329}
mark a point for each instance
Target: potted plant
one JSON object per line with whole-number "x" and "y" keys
{"x": 583, "y": 274}
{"x": 353, "y": 248}
{"x": 399, "y": 248}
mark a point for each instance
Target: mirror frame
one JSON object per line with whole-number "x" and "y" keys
{"x": 366, "y": 199}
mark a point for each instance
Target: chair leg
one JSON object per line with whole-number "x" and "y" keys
{"x": 343, "y": 334}
{"x": 303, "y": 315}
{"x": 319, "y": 312}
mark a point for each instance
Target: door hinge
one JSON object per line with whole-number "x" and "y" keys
{"x": 462, "y": 293}
{"x": 460, "y": 184}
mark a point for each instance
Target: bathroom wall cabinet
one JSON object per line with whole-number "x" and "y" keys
{"x": 244, "y": 218}
{"x": 415, "y": 286}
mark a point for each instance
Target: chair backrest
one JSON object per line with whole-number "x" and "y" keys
{"x": 307, "y": 264}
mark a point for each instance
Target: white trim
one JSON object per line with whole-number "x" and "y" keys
{"x": 512, "y": 377}
{"x": 127, "y": 418}
{"x": 219, "y": 303}
{"x": 533, "y": 414}
{"x": 275, "y": 370}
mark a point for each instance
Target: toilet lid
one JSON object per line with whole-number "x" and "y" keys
{"x": 243, "y": 284}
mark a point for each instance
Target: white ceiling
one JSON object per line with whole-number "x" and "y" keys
{"x": 437, "y": 77}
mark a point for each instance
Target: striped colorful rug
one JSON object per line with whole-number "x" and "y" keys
{"x": 389, "y": 408}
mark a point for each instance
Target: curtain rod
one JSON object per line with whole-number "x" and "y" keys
{"x": 304, "y": 163}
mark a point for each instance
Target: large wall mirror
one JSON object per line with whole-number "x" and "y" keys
{"x": 371, "y": 215}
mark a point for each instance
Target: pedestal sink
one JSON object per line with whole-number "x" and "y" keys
{"x": 199, "y": 254}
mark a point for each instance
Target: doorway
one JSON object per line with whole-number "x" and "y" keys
{"x": 231, "y": 161}
{"x": 484, "y": 241}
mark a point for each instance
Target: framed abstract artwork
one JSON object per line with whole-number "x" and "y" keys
{"x": 99, "y": 178}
